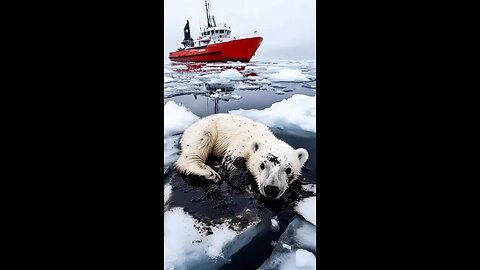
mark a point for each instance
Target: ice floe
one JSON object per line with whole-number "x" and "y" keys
{"x": 190, "y": 244}
{"x": 171, "y": 151}
{"x": 301, "y": 114}
{"x": 176, "y": 118}
{"x": 305, "y": 259}
{"x": 289, "y": 75}
{"x": 306, "y": 208}
{"x": 295, "y": 248}
{"x": 310, "y": 187}
{"x": 231, "y": 74}
{"x": 245, "y": 86}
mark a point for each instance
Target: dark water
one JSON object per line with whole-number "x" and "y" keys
{"x": 211, "y": 202}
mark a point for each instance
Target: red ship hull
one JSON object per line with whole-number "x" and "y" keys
{"x": 235, "y": 50}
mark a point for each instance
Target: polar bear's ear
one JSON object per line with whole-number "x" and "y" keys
{"x": 255, "y": 145}
{"x": 302, "y": 155}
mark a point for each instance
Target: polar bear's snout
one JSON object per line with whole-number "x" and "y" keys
{"x": 273, "y": 163}
{"x": 274, "y": 183}
{"x": 272, "y": 191}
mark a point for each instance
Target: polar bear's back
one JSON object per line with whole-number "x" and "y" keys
{"x": 234, "y": 127}
{"x": 227, "y": 130}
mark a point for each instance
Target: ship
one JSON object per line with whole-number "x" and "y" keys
{"x": 215, "y": 44}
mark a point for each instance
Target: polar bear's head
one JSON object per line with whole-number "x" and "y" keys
{"x": 275, "y": 165}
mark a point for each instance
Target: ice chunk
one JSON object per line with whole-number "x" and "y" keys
{"x": 289, "y": 75}
{"x": 225, "y": 96}
{"x": 176, "y": 119}
{"x": 245, "y": 86}
{"x": 310, "y": 187}
{"x": 264, "y": 81}
{"x": 190, "y": 246}
{"x": 306, "y": 208}
{"x": 170, "y": 151}
{"x": 295, "y": 247}
{"x": 167, "y": 79}
{"x": 272, "y": 69}
{"x": 301, "y": 114}
{"x": 167, "y": 192}
{"x": 231, "y": 74}
{"x": 305, "y": 258}
{"x": 305, "y": 234}
{"x": 274, "y": 224}
{"x": 179, "y": 67}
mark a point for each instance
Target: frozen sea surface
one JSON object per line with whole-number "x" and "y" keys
{"x": 221, "y": 226}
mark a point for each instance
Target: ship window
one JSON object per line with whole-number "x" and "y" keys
{"x": 221, "y": 31}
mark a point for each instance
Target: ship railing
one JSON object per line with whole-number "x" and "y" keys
{"x": 245, "y": 35}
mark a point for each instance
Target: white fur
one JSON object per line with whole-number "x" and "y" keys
{"x": 226, "y": 135}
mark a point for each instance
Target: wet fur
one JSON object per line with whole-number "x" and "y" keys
{"x": 244, "y": 144}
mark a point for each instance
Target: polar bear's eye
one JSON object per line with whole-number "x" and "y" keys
{"x": 262, "y": 166}
{"x": 288, "y": 170}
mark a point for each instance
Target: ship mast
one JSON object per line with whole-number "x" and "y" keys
{"x": 209, "y": 18}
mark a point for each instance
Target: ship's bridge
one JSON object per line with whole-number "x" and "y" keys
{"x": 213, "y": 34}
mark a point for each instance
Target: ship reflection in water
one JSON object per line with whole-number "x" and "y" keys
{"x": 190, "y": 67}
{"x": 215, "y": 93}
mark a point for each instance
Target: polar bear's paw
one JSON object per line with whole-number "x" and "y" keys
{"x": 213, "y": 176}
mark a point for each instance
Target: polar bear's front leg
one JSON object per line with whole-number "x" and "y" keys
{"x": 188, "y": 165}
{"x": 195, "y": 150}
{"x": 233, "y": 159}
{"x": 234, "y": 163}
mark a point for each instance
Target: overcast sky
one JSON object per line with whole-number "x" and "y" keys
{"x": 287, "y": 26}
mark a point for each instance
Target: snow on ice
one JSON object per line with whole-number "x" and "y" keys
{"x": 190, "y": 247}
{"x": 301, "y": 114}
{"x": 289, "y": 75}
{"x": 304, "y": 259}
{"x": 176, "y": 118}
{"x": 231, "y": 74}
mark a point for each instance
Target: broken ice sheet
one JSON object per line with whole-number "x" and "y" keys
{"x": 171, "y": 152}
{"x": 295, "y": 248}
{"x": 306, "y": 208}
{"x": 191, "y": 244}
{"x": 302, "y": 114}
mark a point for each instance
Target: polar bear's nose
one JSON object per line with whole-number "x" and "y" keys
{"x": 272, "y": 191}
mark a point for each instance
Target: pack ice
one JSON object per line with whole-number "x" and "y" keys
{"x": 300, "y": 117}
{"x": 191, "y": 244}
{"x": 295, "y": 248}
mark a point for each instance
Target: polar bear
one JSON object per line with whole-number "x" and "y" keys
{"x": 241, "y": 142}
